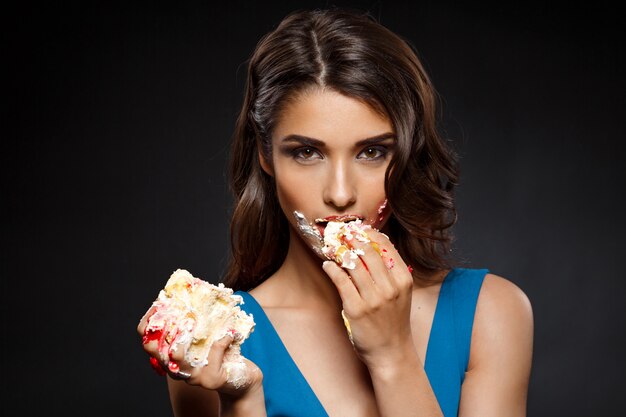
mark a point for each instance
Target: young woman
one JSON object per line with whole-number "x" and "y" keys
{"x": 339, "y": 119}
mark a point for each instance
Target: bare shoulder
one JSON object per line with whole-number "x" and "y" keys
{"x": 498, "y": 374}
{"x": 270, "y": 293}
{"x": 265, "y": 294}
{"x": 503, "y": 320}
{"x": 498, "y": 295}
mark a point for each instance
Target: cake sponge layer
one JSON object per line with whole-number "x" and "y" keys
{"x": 191, "y": 314}
{"x": 337, "y": 238}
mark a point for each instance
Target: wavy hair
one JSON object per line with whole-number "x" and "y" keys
{"x": 351, "y": 53}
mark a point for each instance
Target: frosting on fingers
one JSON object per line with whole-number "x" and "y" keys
{"x": 337, "y": 242}
{"x": 190, "y": 314}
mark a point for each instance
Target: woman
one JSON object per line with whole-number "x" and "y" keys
{"x": 339, "y": 119}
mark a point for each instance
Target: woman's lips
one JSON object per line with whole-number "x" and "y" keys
{"x": 339, "y": 218}
{"x": 345, "y": 218}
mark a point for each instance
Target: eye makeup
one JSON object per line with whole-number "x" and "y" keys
{"x": 305, "y": 150}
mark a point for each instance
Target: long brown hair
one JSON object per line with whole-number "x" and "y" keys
{"x": 349, "y": 52}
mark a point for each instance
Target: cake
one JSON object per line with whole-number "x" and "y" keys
{"x": 330, "y": 239}
{"x": 191, "y": 314}
{"x": 336, "y": 240}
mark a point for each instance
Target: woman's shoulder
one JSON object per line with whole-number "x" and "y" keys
{"x": 265, "y": 294}
{"x": 503, "y": 319}
{"x": 495, "y": 293}
{"x": 500, "y": 295}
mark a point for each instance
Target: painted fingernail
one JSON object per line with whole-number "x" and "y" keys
{"x": 173, "y": 367}
{"x": 156, "y": 366}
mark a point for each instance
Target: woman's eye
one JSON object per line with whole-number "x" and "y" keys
{"x": 373, "y": 153}
{"x": 306, "y": 154}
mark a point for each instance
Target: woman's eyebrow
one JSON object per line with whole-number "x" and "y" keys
{"x": 376, "y": 139}
{"x": 304, "y": 140}
{"x": 307, "y": 141}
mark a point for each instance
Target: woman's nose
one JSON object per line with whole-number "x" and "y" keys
{"x": 340, "y": 187}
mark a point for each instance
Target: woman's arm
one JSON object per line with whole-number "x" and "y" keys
{"x": 402, "y": 387}
{"x": 376, "y": 298}
{"x": 188, "y": 400}
{"x": 195, "y": 401}
{"x": 496, "y": 382}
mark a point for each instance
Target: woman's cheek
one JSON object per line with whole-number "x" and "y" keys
{"x": 295, "y": 191}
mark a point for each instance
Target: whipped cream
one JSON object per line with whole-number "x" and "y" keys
{"x": 337, "y": 236}
{"x": 191, "y": 314}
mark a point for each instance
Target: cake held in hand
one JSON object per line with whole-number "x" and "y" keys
{"x": 337, "y": 238}
{"x": 191, "y": 314}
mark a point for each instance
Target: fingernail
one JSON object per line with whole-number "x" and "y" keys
{"x": 156, "y": 366}
{"x": 173, "y": 366}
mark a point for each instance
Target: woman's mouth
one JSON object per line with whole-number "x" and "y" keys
{"x": 344, "y": 218}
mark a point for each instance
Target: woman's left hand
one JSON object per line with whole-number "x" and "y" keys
{"x": 376, "y": 298}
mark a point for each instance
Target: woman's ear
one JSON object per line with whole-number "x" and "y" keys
{"x": 267, "y": 167}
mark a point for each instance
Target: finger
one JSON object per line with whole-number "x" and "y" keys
{"x": 152, "y": 342}
{"x": 178, "y": 367}
{"x": 155, "y": 343}
{"x": 216, "y": 354}
{"x": 399, "y": 272}
{"x": 156, "y": 365}
{"x": 141, "y": 327}
{"x": 374, "y": 266}
{"x": 213, "y": 375}
{"x": 158, "y": 361}
{"x": 180, "y": 373}
{"x": 361, "y": 276}
{"x": 348, "y": 292}
{"x": 254, "y": 373}
{"x": 177, "y": 352}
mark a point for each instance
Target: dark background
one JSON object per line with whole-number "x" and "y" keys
{"x": 117, "y": 130}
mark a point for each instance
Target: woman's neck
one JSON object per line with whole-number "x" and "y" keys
{"x": 300, "y": 281}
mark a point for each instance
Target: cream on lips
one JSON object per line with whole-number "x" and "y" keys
{"x": 338, "y": 235}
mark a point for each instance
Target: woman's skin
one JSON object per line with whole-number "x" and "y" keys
{"x": 331, "y": 173}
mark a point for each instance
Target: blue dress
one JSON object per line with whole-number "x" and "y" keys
{"x": 288, "y": 394}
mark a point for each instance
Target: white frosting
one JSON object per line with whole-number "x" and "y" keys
{"x": 337, "y": 234}
{"x": 235, "y": 367}
{"x": 193, "y": 313}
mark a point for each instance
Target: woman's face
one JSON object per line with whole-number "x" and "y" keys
{"x": 329, "y": 156}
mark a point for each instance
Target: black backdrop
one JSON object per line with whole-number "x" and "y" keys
{"x": 114, "y": 162}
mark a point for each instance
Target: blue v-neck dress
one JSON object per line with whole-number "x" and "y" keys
{"x": 288, "y": 394}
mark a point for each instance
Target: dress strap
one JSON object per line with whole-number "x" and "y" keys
{"x": 463, "y": 289}
{"x": 450, "y": 337}
{"x": 287, "y": 392}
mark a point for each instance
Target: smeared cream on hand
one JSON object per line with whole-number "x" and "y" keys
{"x": 337, "y": 237}
{"x": 191, "y": 314}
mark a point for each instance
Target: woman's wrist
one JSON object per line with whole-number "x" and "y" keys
{"x": 393, "y": 363}
{"x": 251, "y": 403}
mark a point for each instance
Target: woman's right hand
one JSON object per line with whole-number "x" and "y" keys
{"x": 213, "y": 375}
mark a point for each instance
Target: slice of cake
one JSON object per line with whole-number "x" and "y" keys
{"x": 191, "y": 314}
{"x": 337, "y": 238}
